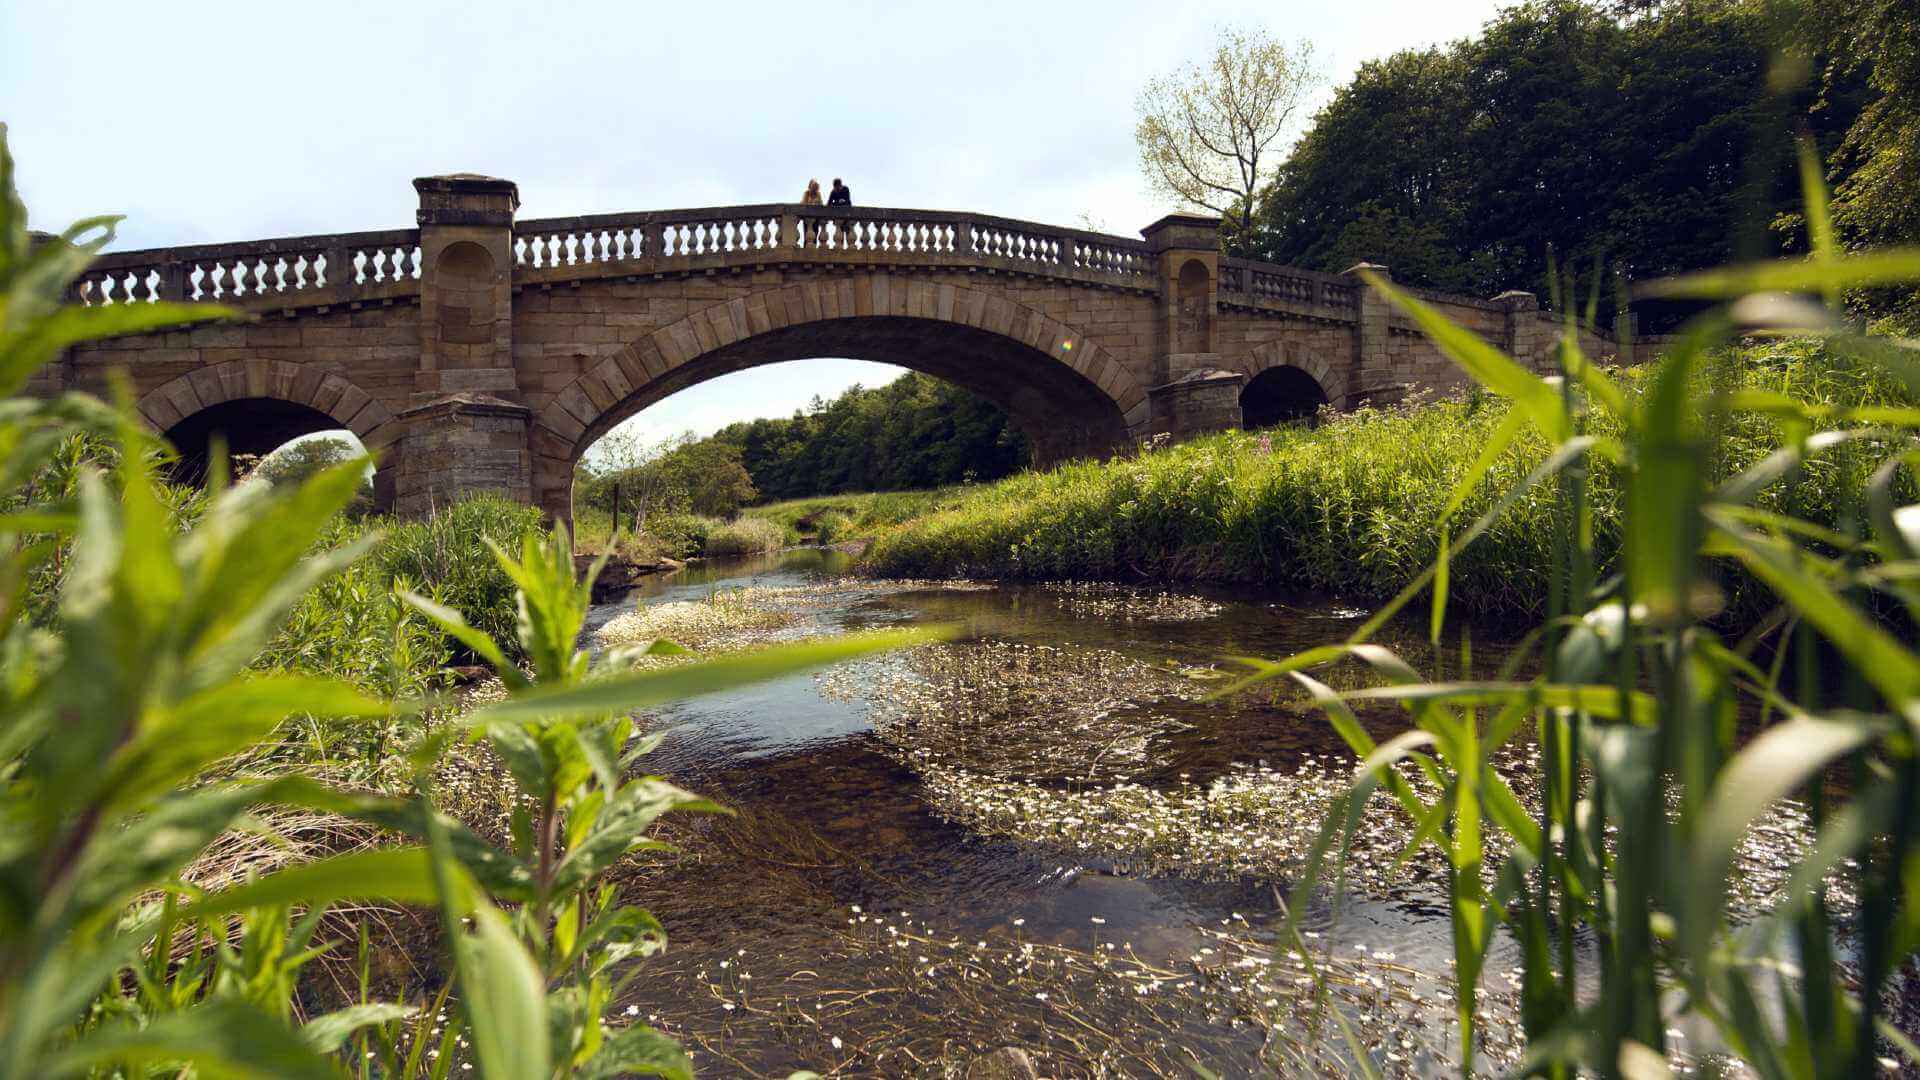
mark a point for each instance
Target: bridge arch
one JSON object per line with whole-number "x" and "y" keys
{"x": 258, "y": 405}
{"x": 1064, "y": 392}
{"x": 1285, "y": 382}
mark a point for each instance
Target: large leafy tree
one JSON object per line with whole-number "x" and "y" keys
{"x": 1651, "y": 138}
{"x": 1878, "y": 198}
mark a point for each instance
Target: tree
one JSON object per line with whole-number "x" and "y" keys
{"x": 296, "y": 462}
{"x": 1877, "y": 199}
{"x": 1207, "y": 132}
{"x": 1648, "y": 137}
{"x": 710, "y": 474}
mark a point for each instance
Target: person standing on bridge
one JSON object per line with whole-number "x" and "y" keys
{"x": 842, "y": 195}
{"x": 811, "y": 198}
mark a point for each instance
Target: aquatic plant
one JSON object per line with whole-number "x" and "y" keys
{"x": 745, "y": 536}
{"x": 724, "y": 618}
{"x": 1647, "y": 723}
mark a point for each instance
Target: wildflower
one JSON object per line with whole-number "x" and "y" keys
{"x": 837, "y": 1044}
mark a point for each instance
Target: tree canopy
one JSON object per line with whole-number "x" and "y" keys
{"x": 1648, "y": 138}
{"x": 914, "y": 432}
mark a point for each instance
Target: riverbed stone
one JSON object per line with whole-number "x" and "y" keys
{"x": 1006, "y": 1063}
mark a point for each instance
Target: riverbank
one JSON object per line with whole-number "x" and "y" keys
{"x": 1350, "y": 507}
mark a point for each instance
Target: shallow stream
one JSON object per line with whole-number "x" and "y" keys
{"x": 915, "y": 875}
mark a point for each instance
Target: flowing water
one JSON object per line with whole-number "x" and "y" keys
{"x": 910, "y": 879}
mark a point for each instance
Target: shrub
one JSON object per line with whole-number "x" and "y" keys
{"x": 447, "y": 555}
{"x": 831, "y": 527}
{"x": 682, "y": 536}
{"x": 746, "y": 536}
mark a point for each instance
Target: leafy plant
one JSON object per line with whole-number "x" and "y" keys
{"x": 1636, "y": 713}
{"x": 122, "y": 716}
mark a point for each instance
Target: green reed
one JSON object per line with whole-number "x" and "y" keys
{"x": 1656, "y": 740}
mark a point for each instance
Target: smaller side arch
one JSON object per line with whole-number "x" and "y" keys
{"x": 1331, "y": 378}
{"x": 166, "y": 405}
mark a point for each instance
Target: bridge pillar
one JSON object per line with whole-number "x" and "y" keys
{"x": 467, "y": 428}
{"x": 1525, "y": 335}
{"x": 1372, "y": 374}
{"x": 1194, "y": 392}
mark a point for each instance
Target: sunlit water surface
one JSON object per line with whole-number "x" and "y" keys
{"x": 787, "y": 922}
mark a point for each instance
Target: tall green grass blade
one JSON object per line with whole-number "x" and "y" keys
{"x": 1891, "y": 266}
{"x": 639, "y": 691}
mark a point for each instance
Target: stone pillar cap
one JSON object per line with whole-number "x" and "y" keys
{"x": 466, "y": 183}
{"x": 468, "y": 401}
{"x": 466, "y": 199}
{"x": 1183, "y": 231}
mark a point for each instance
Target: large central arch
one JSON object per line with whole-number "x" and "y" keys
{"x": 1068, "y": 397}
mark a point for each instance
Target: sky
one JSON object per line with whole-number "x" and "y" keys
{"x": 210, "y": 121}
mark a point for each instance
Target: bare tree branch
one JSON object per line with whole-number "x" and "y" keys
{"x": 1205, "y": 131}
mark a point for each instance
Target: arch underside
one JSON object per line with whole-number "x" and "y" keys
{"x": 257, "y": 406}
{"x": 250, "y": 427}
{"x": 1062, "y": 414}
{"x": 1280, "y": 395}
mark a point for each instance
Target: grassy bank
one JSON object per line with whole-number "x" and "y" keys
{"x": 828, "y": 519}
{"x": 1351, "y": 507}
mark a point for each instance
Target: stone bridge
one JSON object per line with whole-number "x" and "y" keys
{"x": 482, "y": 351}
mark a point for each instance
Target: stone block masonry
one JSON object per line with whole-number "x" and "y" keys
{"x": 484, "y": 352}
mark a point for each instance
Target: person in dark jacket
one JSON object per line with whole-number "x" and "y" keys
{"x": 841, "y": 196}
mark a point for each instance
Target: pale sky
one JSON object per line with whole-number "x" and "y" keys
{"x": 213, "y": 121}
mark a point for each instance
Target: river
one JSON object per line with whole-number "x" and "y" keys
{"x": 904, "y": 886}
